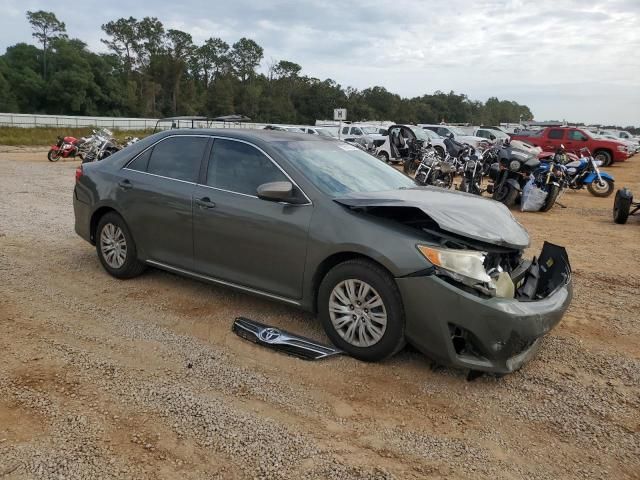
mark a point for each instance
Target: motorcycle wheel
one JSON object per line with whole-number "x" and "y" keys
{"x": 507, "y": 195}
{"x": 552, "y": 195}
{"x": 409, "y": 167}
{"x": 447, "y": 179}
{"x": 601, "y": 190}
{"x": 53, "y": 155}
{"x": 621, "y": 209}
{"x": 421, "y": 179}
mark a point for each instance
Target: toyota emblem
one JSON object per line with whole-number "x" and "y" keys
{"x": 270, "y": 335}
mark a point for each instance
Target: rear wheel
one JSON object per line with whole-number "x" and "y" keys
{"x": 116, "y": 248}
{"x": 604, "y": 157}
{"x": 552, "y": 195}
{"x": 384, "y": 157}
{"x": 361, "y": 310}
{"x": 602, "y": 188}
{"x": 53, "y": 155}
{"x": 621, "y": 208}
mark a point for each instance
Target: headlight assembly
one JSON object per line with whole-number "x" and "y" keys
{"x": 465, "y": 264}
{"x": 514, "y": 166}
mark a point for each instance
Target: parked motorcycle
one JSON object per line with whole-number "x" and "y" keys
{"x": 102, "y": 146}
{"x": 550, "y": 176}
{"x": 510, "y": 171}
{"x": 65, "y": 147}
{"x": 417, "y": 155}
{"x": 586, "y": 172}
{"x": 435, "y": 171}
{"x": 472, "y": 172}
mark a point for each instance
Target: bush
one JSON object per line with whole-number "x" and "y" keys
{"x": 47, "y": 135}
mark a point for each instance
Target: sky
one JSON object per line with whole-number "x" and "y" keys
{"x": 574, "y": 60}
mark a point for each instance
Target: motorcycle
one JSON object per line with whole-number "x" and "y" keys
{"x": 586, "y": 171}
{"x": 550, "y": 177}
{"x": 65, "y": 147}
{"x": 510, "y": 171}
{"x": 472, "y": 173}
{"x": 102, "y": 146}
{"x": 435, "y": 171}
{"x": 417, "y": 155}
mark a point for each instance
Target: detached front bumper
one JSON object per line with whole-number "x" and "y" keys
{"x": 459, "y": 329}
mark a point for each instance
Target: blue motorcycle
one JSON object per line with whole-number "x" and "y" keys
{"x": 550, "y": 177}
{"x": 585, "y": 171}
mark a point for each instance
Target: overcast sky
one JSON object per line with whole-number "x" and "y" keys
{"x": 577, "y": 60}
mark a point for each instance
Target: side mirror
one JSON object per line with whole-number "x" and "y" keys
{"x": 278, "y": 192}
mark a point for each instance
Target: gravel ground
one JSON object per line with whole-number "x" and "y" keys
{"x": 103, "y": 378}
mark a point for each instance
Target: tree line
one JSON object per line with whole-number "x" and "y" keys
{"x": 152, "y": 71}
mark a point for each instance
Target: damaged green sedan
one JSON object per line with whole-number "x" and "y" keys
{"x": 326, "y": 227}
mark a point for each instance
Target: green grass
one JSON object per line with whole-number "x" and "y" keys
{"x": 47, "y": 136}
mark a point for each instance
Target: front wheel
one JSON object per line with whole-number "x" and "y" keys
{"x": 507, "y": 195}
{"x": 383, "y": 156}
{"x": 53, "y": 155}
{"x": 602, "y": 188}
{"x": 552, "y": 194}
{"x": 409, "y": 166}
{"x": 421, "y": 178}
{"x": 361, "y": 310}
{"x": 621, "y": 208}
{"x": 116, "y": 248}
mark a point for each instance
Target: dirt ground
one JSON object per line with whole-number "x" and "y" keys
{"x": 101, "y": 378}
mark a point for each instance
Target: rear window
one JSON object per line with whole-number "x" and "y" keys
{"x": 178, "y": 157}
{"x": 556, "y": 133}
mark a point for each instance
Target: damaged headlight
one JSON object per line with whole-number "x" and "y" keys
{"x": 467, "y": 267}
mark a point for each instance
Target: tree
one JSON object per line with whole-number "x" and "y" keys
{"x": 45, "y": 28}
{"x": 213, "y": 58}
{"x": 124, "y": 34}
{"x": 286, "y": 69}
{"x": 245, "y": 57}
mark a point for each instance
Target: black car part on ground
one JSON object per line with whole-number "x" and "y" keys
{"x": 623, "y": 206}
{"x": 281, "y": 340}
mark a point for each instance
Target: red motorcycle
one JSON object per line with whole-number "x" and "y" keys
{"x": 66, "y": 147}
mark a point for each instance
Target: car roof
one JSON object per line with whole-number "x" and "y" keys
{"x": 248, "y": 134}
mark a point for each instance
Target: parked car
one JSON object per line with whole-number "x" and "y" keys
{"x": 574, "y": 139}
{"x": 478, "y": 143}
{"x": 323, "y": 226}
{"x": 368, "y": 135}
{"x": 632, "y": 147}
{"x": 491, "y": 135}
{"x": 331, "y": 132}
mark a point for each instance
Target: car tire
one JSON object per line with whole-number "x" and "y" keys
{"x": 604, "y": 157}
{"x": 621, "y": 208}
{"x": 601, "y": 191}
{"x": 384, "y": 157}
{"x": 369, "y": 334}
{"x": 116, "y": 248}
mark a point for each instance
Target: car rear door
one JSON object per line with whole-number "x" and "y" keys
{"x": 155, "y": 194}
{"x": 241, "y": 239}
{"x": 554, "y": 138}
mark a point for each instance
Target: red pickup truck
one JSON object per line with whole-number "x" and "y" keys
{"x": 573, "y": 139}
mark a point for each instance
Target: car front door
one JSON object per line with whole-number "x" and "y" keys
{"x": 155, "y": 193}
{"x": 240, "y": 238}
{"x": 576, "y": 140}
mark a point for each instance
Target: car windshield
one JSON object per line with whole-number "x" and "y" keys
{"x": 369, "y": 129}
{"x": 420, "y": 133}
{"x": 455, "y": 130}
{"x": 431, "y": 134}
{"x": 338, "y": 169}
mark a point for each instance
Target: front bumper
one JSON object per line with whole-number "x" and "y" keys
{"x": 459, "y": 329}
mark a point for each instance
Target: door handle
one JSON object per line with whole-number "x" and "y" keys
{"x": 125, "y": 184}
{"x": 205, "y": 202}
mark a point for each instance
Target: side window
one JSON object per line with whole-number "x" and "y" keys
{"x": 345, "y": 131}
{"x": 241, "y": 168}
{"x": 577, "y": 136}
{"x": 178, "y": 157}
{"x": 141, "y": 161}
{"x": 482, "y": 134}
{"x": 356, "y": 131}
{"x": 556, "y": 133}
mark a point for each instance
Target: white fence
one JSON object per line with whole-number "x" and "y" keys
{"x": 28, "y": 120}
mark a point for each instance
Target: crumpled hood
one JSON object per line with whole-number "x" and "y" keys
{"x": 459, "y": 213}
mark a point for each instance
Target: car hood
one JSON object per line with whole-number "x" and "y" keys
{"x": 471, "y": 138}
{"x": 459, "y": 213}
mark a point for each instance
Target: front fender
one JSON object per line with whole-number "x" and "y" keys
{"x": 592, "y": 177}
{"x": 514, "y": 183}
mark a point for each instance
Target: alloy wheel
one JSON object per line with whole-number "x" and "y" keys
{"x": 113, "y": 245}
{"x": 358, "y": 313}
